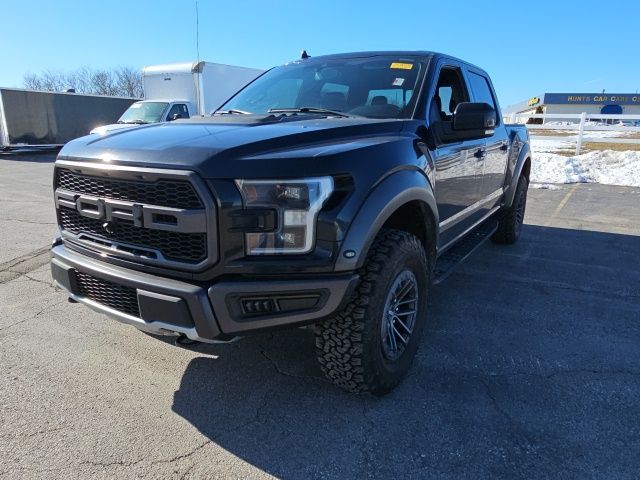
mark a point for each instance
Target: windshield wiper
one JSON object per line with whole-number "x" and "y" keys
{"x": 231, "y": 111}
{"x": 320, "y": 111}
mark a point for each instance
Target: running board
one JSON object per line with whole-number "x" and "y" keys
{"x": 457, "y": 254}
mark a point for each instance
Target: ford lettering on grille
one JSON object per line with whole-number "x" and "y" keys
{"x": 139, "y": 215}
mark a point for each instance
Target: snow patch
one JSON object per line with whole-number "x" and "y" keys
{"x": 602, "y": 166}
{"x": 545, "y": 186}
{"x": 607, "y": 166}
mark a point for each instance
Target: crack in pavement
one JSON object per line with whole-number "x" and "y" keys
{"x": 123, "y": 463}
{"x": 48, "y": 284}
{"x": 20, "y": 266}
{"x": 33, "y": 434}
{"x": 19, "y": 220}
{"x": 287, "y": 374}
{"x": 18, "y": 260}
{"x": 190, "y": 453}
{"x": 516, "y": 430}
{"x": 37, "y": 314}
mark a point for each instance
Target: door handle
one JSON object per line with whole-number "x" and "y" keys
{"x": 479, "y": 154}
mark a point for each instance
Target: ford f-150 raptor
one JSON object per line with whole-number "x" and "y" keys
{"x": 332, "y": 191}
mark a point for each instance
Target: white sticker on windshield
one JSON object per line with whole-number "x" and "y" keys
{"x": 397, "y": 82}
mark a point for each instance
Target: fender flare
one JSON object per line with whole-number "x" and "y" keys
{"x": 390, "y": 194}
{"x": 523, "y": 156}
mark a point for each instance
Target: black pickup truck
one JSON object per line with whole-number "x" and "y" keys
{"x": 331, "y": 191}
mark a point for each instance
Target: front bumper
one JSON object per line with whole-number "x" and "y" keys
{"x": 208, "y": 314}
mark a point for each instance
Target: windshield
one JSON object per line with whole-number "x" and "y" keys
{"x": 143, "y": 112}
{"x": 375, "y": 87}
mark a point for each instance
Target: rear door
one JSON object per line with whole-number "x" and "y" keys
{"x": 458, "y": 164}
{"x": 497, "y": 146}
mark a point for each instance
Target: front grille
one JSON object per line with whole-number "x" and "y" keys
{"x": 184, "y": 247}
{"x": 120, "y": 298}
{"x": 152, "y": 233}
{"x": 169, "y": 193}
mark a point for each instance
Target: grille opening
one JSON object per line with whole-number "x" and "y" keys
{"x": 126, "y": 221}
{"x": 164, "y": 218}
{"x": 184, "y": 247}
{"x": 173, "y": 193}
{"x": 119, "y": 297}
{"x": 89, "y": 208}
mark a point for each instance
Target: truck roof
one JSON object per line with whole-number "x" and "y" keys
{"x": 424, "y": 54}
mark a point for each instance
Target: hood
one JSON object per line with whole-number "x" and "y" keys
{"x": 232, "y": 145}
{"x": 104, "y": 129}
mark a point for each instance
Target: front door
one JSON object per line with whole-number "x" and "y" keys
{"x": 458, "y": 164}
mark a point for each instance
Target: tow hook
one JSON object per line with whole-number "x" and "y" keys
{"x": 184, "y": 341}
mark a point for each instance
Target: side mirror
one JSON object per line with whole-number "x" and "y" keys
{"x": 175, "y": 116}
{"x": 473, "y": 120}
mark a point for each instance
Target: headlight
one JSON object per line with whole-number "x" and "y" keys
{"x": 296, "y": 203}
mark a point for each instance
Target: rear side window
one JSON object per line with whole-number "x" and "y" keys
{"x": 481, "y": 90}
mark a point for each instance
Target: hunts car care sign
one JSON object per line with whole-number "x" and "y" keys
{"x": 591, "y": 98}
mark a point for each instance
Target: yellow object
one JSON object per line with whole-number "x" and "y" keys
{"x": 402, "y": 66}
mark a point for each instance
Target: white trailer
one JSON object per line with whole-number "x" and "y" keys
{"x": 183, "y": 90}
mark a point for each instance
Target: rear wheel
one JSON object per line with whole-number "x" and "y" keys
{"x": 370, "y": 345}
{"x": 512, "y": 218}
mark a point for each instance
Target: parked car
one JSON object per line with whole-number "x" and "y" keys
{"x": 331, "y": 191}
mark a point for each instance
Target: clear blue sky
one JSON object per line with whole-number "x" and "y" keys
{"x": 527, "y": 47}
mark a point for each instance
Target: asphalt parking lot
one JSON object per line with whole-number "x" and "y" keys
{"x": 529, "y": 368}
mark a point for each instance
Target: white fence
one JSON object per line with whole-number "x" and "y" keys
{"x": 581, "y": 122}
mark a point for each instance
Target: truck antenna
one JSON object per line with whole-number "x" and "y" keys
{"x": 197, "y": 33}
{"x": 304, "y": 55}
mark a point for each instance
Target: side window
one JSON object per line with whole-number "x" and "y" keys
{"x": 450, "y": 91}
{"x": 179, "y": 109}
{"x": 481, "y": 90}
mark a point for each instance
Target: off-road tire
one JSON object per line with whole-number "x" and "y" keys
{"x": 511, "y": 219}
{"x": 349, "y": 346}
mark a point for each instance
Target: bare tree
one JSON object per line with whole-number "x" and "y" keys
{"x": 129, "y": 82}
{"x": 80, "y": 80}
{"x": 32, "y": 81}
{"x": 103, "y": 82}
{"x": 123, "y": 81}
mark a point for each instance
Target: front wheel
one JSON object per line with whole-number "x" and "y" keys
{"x": 370, "y": 345}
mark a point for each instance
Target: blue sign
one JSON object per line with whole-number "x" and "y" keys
{"x": 591, "y": 98}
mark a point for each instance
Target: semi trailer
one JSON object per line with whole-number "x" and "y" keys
{"x": 50, "y": 119}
